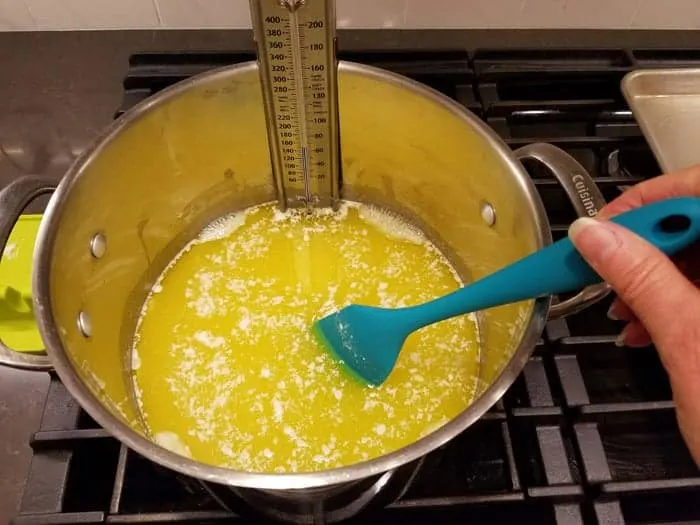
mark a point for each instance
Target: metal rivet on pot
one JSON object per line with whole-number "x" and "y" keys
{"x": 488, "y": 213}
{"x": 98, "y": 245}
{"x": 84, "y": 324}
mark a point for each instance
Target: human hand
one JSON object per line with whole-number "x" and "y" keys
{"x": 659, "y": 297}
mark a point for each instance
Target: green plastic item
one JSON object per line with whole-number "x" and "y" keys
{"x": 18, "y": 329}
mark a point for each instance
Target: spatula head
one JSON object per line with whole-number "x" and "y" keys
{"x": 367, "y": 340}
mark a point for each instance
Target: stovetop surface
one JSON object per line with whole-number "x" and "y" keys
{"x": 587, "y": 434}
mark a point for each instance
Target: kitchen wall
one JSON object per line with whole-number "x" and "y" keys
{"x": 177, "y": 14}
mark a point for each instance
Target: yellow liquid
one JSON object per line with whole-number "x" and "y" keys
{"x": 226, "y": 369}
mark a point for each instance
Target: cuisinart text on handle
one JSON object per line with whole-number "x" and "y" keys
{"x": 584, "y": 193}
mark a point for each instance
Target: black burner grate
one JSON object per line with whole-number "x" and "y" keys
{"x": 587, "y": 433}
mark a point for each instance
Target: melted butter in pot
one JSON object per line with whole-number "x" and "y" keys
{"x": 226, "y": 370}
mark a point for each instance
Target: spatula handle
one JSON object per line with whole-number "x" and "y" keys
{"x": 670, "y": 225}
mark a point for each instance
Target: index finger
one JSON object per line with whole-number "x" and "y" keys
{"x": 682, "y": 183}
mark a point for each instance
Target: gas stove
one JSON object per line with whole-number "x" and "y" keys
{"x": 587, "y": 434}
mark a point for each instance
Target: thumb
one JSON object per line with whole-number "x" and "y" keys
{"x": 660, "y": 296}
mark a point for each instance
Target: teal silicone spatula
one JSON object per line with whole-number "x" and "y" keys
{"x": 368, "y": 339}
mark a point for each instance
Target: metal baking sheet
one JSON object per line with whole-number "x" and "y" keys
{"x": 666, "y": 104}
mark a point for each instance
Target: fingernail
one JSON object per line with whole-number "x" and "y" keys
{"x": 612, "y": 315}
{"x": 580, "y": 225}
{"x": 592, "y": 237}
{"x": 622, "y": 340}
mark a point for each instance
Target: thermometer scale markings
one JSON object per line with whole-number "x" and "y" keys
{"x": 296, "y": 51}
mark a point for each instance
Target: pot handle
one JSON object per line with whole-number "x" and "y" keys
{"x": 587, "y": 200}
{"x": 13, "y": 199}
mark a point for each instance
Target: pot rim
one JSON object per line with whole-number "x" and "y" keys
{"x": 273, "y": 481}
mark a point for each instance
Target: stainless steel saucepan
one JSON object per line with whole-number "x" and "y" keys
{"x": 199, "y": 150}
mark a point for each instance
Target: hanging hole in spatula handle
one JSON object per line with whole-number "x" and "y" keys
{"x": 670, "y": 225}
{"x": 675, "y": 224}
